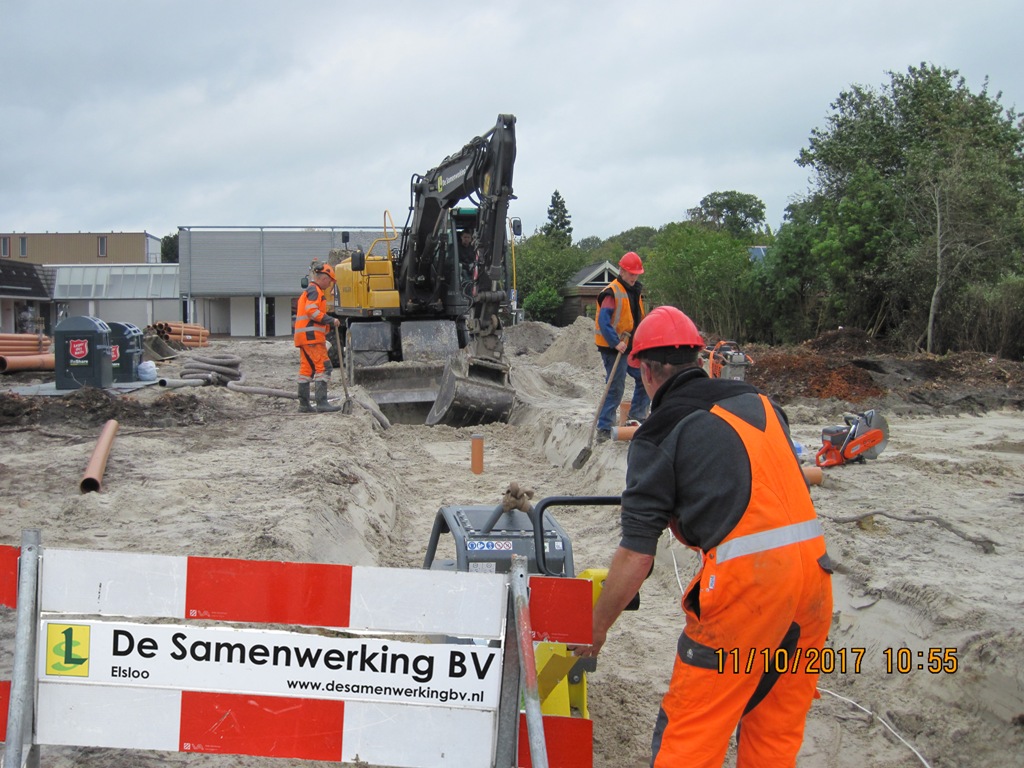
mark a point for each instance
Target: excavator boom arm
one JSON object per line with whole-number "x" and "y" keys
{"x": 482, "y": 171}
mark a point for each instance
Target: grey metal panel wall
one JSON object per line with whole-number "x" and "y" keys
{"x": 222, "y": 263}
{"x": 248, "y": 262}
{"x": 287, "y": 256}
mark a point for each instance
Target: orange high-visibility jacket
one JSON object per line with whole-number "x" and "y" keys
{"x": 311, "y": 317}
{"x": 622, "y": 317}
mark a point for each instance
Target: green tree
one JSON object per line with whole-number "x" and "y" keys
{"x": 543, "y": 305}
{"x": 703, "y": 272}
{"x": 169, "y": 249}
{"x": 543, "y": 265}
{"x": 738, "y": 213}
{"x": 789, "y": 281}
{"x": 559, "y": 224}
{"x": 960, "y": 203}
{"x": 917, "y": 185}
{"x": 638, "y": 239}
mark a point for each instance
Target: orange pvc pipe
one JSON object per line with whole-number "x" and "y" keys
{"x": 21, "y": 337}
{"x": 477, "y": 454}
{"x": 10, "y": 363}
{"x": 813, "y": 475}
{"x": 34, "y": 350}
{"x": 177, "y": 327}
{"x": 623, "y": 433}
{"x": 92, "y": 480}
{"x": 15, "y": 351}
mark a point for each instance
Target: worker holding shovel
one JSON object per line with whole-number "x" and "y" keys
{"x": 620, "y": 310}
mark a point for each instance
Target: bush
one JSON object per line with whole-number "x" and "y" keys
{"x": 543, "y": 304}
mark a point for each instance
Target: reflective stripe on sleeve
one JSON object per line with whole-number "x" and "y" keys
{"x": 760, "y": 542}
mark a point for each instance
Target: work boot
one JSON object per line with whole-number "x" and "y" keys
{"x": 322, "y": 406}
{"x": 304, "y": 406}
{"x": 604, "y": 435}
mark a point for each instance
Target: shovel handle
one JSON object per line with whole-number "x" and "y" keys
{"x": 341, "y": 361}
{"x": 607, "y": 389}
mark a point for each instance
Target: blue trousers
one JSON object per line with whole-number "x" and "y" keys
{"x": 640, "y": 403}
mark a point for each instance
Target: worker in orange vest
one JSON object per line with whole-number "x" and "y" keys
{"x": 620, "y": 307}
{"x": 311, "y": 324}
{"x": 714, "y": 464}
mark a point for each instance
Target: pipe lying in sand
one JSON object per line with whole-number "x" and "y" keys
{"x": 175, "y": 383}
{"x": 10, "y": 363}
{"x": 93, "y": 478}
{"x": 235, "y": 386}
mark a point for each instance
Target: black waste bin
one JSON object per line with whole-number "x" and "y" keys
{"x": 125, "y": 351}
{"x": 82, "y": 353}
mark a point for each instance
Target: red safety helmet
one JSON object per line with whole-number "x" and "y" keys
{"x": 325, "y": 269}
{"x": 664, "y": 327}
{"x": 631, "y": 263}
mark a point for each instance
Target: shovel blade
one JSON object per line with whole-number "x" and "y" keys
{"x": 581, "y": 459}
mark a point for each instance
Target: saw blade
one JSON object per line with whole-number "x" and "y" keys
{"x": 875, "y": 420}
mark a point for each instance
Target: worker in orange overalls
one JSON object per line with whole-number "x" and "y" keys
{"x": 715, "y": 465}
{"x": 311, "y": 324}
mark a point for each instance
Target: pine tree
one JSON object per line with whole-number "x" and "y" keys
{"x": 559, "y": 225}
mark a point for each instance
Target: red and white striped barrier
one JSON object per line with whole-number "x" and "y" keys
{"x": 9, "y": 576}
{"x": 341, "y": 693}
{"x": 8, "y": 599}
{"x": 305, "y": 594}
{"x": 202, "y": 688}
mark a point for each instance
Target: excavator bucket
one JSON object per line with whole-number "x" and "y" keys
{"x": 404, "y": 391}
{"x": 477, "y": 392}
{"x": 400, "y": 382}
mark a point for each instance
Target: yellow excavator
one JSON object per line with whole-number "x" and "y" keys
{"x": 422, "y": 322}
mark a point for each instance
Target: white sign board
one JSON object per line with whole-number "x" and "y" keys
{"x": 275, "y": 663}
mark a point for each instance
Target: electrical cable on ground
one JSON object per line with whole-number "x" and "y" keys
{"x": 879, "y": 719}
{"x": 675, "y": 566}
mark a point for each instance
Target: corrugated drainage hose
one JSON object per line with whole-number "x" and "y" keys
{"x": 214, "y": 369}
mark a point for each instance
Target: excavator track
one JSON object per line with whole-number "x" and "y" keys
{"x": 472, "y": 393}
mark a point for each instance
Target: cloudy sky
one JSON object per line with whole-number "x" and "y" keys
{"x": 129, "y": 115}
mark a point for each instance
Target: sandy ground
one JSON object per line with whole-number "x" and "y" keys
{"x": 928, "y": 537}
